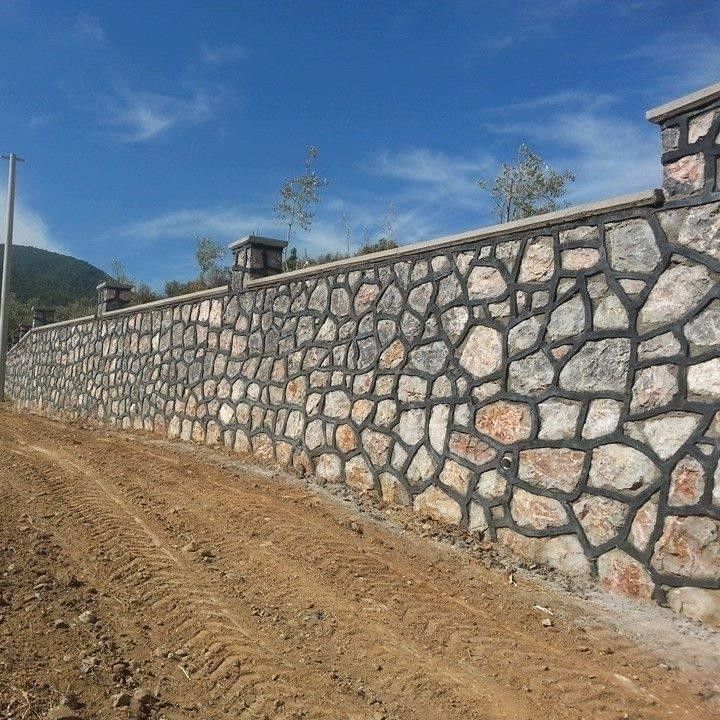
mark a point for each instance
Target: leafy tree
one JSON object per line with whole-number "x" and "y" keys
{"x": 377, "y": 246}
{"x": 298, "y": 195}
{"x": 529, "y": 187}
{"x": 291, "y": 260}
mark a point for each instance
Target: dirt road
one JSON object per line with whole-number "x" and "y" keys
{"x": 131, "y": 563}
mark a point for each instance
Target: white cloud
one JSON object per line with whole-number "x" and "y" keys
{"x": 29, "y": 227}
{"x": 220, "y": 223}
{"x": 87, "y": 27}
{"x": 433, "y": 176}
{"x": 221, "y": 54}
{"x": 142, "y": 116}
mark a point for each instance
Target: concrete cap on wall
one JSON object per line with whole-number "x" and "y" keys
{"x": 693, "y": 101}
{"x": 113, "y": 285}
{"x": 257, "y": 241}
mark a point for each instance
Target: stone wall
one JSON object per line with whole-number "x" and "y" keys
{"x": 552, "y": 383}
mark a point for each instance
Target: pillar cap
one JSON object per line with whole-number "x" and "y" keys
{"x": 693, "y": 101}
{"x": 114, "y": 285}
{"x": 257, "y": 241}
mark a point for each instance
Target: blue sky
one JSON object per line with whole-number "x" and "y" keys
{"x": 147, "y": 124}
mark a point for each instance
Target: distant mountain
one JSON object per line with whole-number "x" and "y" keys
{"x": 51, "y": 278}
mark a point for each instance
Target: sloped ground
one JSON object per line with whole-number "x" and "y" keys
{"x": 178, "y": 580}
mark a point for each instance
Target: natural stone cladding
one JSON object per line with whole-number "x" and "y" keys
{"x": 552, "y": 384}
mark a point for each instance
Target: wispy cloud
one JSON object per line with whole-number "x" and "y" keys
{"x": 683, "y": 60}
{"x": 434, "y": 176}
{"x": 220, "y": 223}
{"x": 87, "y": 27}
{"x": 221, "y": 54}
{"x": 609, "y": 154}
{"x": 142, "y": 116}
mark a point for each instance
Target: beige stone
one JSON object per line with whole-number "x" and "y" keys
{"x": 538, "y": 262}
{"x": 558, "y": 418}
{"x": 689, "y": 547}
{"x": 434, "y": 503}
{"x": 602, "y": 518}
{"x": 621, "y": 468}
{"x": 393, "y": 491}
{"x": 579, "y": 258}
{"x": 485, "y": 283}
{"x": 358, "y": 474}
{"x": 696, "y": 603}
{"x": 644, "y": 524}
{"x": 703, "y": 380}
{"x": 481, "y": 353}
{"x": 491, "y": 484}
{"x": 456, "y": 476}
{"x": 563, "y": 553}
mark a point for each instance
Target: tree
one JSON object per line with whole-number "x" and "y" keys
{"x": 119, "y": 273}
{"x": 529, "y": 187}
{"x": 208, "y": 255}
{"x": 298, "y": 195}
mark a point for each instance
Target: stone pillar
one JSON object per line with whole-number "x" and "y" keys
{"x": 41, "y": 316}
{"x": 112, "y": 295}
{"x": 255, "y": 257}
{"x": 691, "y": 153}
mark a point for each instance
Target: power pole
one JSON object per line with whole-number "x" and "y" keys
{"x": 5, "y": 292}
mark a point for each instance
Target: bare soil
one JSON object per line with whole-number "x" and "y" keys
{"x": 192, "y": 585}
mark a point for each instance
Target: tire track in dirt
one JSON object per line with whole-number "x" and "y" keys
{"x": 351, "y": 621}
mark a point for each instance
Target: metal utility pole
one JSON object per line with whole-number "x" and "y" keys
{"x": 5, "y": 292}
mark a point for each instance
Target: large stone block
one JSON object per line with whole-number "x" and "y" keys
{"x": 434, "y": 503}
{"x": 689, "y": 547}
{"x": 602, "y": 518}
{"x": 631, "y": 246}
{"x": 551, "y": 468}
{"x": 685, "y": 177}
{"x": 697, "y": 228}
{"x": 621, "y": 468}
{"x": 696, "y": 603}
{"x": 482, "y": 352}
{"x": 622, "y": 574}
{"x": 538, "y": 262}
{"x": 563, "y": 553}
{"x": 599, "y": 365}
{"x": 536, "y": 511}
{"x": 504, "y": 421}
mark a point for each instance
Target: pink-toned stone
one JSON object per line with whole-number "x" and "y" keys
{"x": 624, "y": 575}
{"x": 654, "y": 387}
{"x": 685, "y": 176}
{"x": 365, "y": 296}
{"x": 687, "y": 482}
{"x": 644, "y": 524}
{"x": 393, "y": 356}
{"x": 689, "y": 546}
{"x": 434, "y": 503}
{"x": 563, "y": 553}
{"x": 580, "y": 258}
{"x": 471, "y": 448}
{"x": 345, "y": 438}
{"x": 536, "y": 511}
{"x": 504, "y": 421}
{"x": 551, "y": 468}
{"x": 561, "y": 351}
{"x": 485, "y": 282}
{"x": 602, "y": 518}
{"x": 699, "y": 125}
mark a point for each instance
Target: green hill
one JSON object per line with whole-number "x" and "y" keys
{"x": 51, "y": 278}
